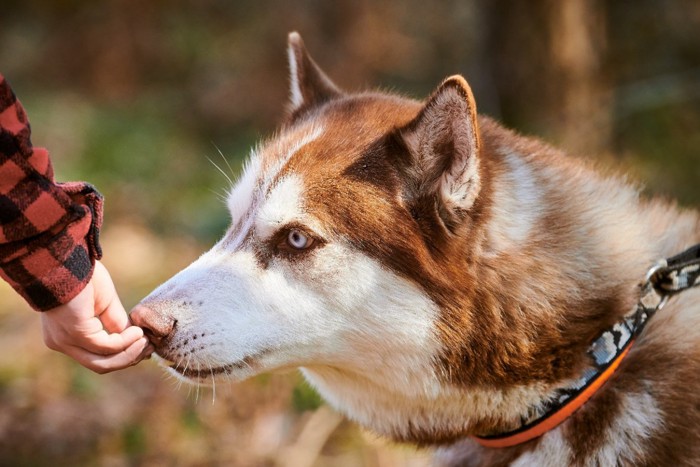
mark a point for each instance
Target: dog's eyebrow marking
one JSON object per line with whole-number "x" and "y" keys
{"x": 282, "y": 206}
{"x": 260, "y": 179}
{"x": 284, "y": 148}
{"x": 240, "y": 198}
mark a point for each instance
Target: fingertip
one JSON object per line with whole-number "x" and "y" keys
{"x": 101, "y": 363}
{"x": 146, "y": 353}
{"x": 139, "y": 350}
{"x": 142, "y": 344}
{"x": 114, "y": 318}
{"x": 132, "y": 334}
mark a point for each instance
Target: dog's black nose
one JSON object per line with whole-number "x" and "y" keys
{"x": 156, "y": 326}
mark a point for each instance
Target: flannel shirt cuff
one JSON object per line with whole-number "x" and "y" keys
{"x": 48, "y": 231}
{"x": 59, "y": 265}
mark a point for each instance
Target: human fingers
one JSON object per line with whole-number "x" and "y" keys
{"x": 107, "y": 363}
{"x": 105, "y": 343}
{"x": 114, "y": 317}
{"x": 108, "y": 306}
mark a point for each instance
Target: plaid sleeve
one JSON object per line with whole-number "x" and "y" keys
{"x": 48, "y": 231}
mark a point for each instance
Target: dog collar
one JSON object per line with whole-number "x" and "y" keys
{"x": 664, "y": 279}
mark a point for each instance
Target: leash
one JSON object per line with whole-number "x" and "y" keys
{"x": 664, "y": 279}
{"x": 678, "y": 273}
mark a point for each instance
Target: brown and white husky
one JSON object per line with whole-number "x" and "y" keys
{"x": 437, "y": 277}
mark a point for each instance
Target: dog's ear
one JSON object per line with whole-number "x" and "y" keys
{"x": 443, "y": 145}
{"x": 309, "y": 85}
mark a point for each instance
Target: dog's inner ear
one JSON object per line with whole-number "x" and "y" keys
{"x": 309, "y": 85}
{"x": 443, "y": 147}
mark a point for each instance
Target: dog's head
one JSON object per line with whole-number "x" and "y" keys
{"x": 353, "y": 234}
{"x": 339, "y": 224}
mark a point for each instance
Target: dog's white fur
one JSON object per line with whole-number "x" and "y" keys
{"x": 517, "y": 208}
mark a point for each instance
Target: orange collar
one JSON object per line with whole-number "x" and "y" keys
{"x": 553, "y": 419}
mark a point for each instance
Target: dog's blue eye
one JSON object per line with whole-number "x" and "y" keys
{"x": 298, "y": 240}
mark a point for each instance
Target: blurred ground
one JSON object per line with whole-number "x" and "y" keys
{"x": 135, "y": 97}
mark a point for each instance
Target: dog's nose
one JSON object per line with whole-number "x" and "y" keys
{"x": 156, "y": 326}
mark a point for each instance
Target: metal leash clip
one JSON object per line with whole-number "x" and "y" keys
{"x": 649, "y": 279}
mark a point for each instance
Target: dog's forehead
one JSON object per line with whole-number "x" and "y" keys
{"x": 328, "y": 140}
{"x": 321, "y": 145}
{"x": 314, "y": 153}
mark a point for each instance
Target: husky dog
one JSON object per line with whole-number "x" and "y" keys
{"x": 438, "y": 277}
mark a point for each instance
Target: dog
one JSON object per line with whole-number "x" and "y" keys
{"x": 440, "y": 280}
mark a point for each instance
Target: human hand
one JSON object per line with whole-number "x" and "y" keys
{"x": 94, "y": 329}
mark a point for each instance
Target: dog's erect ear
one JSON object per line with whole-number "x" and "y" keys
{"x": 443, "y": 143}
{"x": 309, "y": 84}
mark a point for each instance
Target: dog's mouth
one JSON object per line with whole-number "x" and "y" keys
{"x": 200, "y": 371}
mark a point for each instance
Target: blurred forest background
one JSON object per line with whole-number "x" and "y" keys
{"x": 136, "y": 96}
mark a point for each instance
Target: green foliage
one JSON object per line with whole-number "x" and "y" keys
{"x": 665, "y": 142}
{"x": 7, "y": 376}
{"x": 190, "y": 419}
{"x": 151, "y": 169}
{"x": 134, "y": 439}
{"x": 304, "y": 398}
{"x": 83, "y": 383}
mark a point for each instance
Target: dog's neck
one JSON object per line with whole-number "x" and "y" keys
{"x": 542, "y": 288}
{"x": 427, "y": 413}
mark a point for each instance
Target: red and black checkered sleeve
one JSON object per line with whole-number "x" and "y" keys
{"x": 48, "y": 231}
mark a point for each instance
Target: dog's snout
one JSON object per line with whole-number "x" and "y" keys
{"x": 156, "y": 326}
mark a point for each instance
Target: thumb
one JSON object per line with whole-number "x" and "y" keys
{"x": 108, "y": 306}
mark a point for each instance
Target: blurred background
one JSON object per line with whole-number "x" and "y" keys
{"x": 137, "y": 98}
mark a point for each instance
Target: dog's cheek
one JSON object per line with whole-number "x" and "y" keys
{"x": 337, "y": 274}
{"x": 371, "y": 306}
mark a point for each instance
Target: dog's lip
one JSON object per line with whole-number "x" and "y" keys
{"x": 202, "y": 373}
{"x": 207, "y": 371}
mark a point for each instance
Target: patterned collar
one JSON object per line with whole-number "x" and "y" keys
{"x": 664, "y": 279}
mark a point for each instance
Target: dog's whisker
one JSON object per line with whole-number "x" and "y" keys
{"x": 180, "y": 381}
{"x": 233, "y": 173}
{"x": 244, "y": 362}
{"x": 213, "y": 385}
{"x": 199, "y": 371}
{"x": 230, "y": 181}
{"x": 174, "y": 381}
{"x": 221, "y": 196}
{"x": 184, "y": 370}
